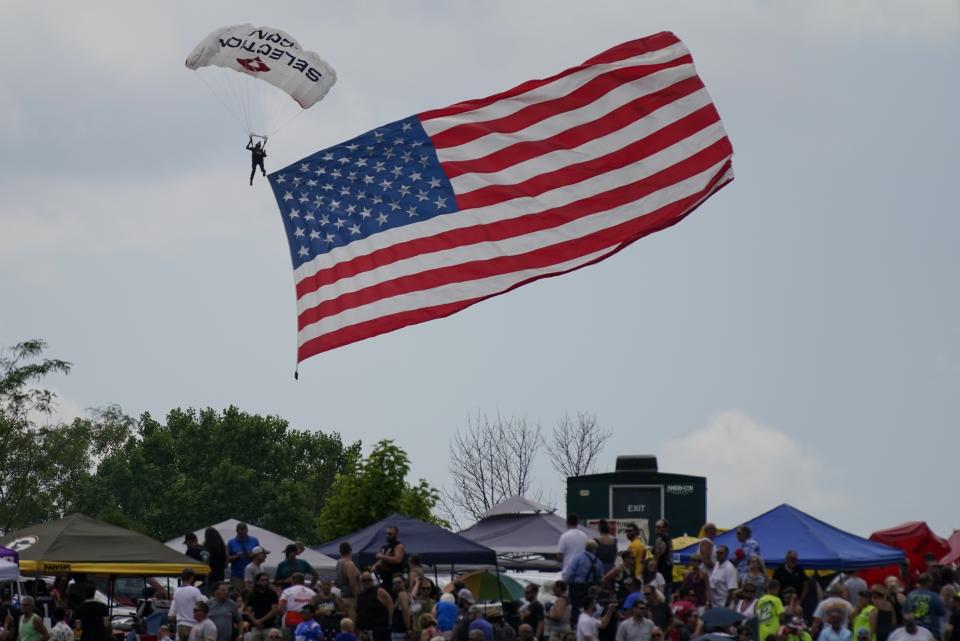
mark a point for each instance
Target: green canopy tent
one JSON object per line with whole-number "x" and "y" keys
{"x": 78, "y": 543}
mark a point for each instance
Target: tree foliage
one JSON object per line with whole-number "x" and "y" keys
{"x": 490, "y": 461}
{"x": 374, "y": 489}
{"x": 19, "y": 369}
{"x": 41, "y": 466}
{"x": 576, "y": 444}
{"x": 202, "y": 467}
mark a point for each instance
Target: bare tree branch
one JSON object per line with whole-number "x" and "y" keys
{"x": 490, "y": 461}
{"x": 576, "y": 445}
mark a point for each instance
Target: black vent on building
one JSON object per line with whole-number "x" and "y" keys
{"x": 644, "y": 463}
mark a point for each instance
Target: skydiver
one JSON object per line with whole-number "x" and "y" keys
{"x": 257, "y": 153}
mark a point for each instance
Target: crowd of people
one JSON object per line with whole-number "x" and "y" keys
{"x": 632, "y": 596}
{"x": 605, "y": 594}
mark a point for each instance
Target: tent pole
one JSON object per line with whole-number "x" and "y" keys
{"x": 499, "y": 584}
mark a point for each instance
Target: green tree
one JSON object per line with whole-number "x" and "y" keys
{"x": 374, "y": 489}
{"x": 41, "y": 466}
{"x": 202, "y": 467}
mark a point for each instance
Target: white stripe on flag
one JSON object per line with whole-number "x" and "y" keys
{"x": 552, "y": 199}
{"x": 517, "y": 245}
{"x": 559, "y": 87}
{"x": 595, "y": 148}
{"x": 467, "y": 290}
{"x": 563, "y": 121}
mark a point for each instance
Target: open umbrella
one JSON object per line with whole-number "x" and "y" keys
{"x": 719, "y": 618}
{"x": 489, "y": 586}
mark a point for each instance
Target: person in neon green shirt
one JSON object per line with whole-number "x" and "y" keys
{"x": 865, "y": 616}
{"x": 768, "y": 610}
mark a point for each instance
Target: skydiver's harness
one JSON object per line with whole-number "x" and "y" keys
{"x": 258, "y": 158}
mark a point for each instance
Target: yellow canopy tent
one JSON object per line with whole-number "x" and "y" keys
{"x": 78, "y": 543}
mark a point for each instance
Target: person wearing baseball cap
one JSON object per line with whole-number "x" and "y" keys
{"x": 637, "y": 627}
{"x": 291, "y": 565}
{"x": 257, "y": 556}
{"x": 308, "y": 629}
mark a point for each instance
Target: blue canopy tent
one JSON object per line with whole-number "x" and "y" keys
{"x": 435, "y": 545}
{"x": 819, "y": 545}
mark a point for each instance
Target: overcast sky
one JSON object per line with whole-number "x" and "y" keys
{"x": 797, "y": 339}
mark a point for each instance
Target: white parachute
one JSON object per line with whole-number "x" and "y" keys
{"x": 261, "y": 75}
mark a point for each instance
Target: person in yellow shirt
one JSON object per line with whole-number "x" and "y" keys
{"x": 768, "y": 610}
{"x": 637, "y": 547}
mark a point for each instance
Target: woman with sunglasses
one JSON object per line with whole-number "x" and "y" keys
{"x": 746, "y": 601}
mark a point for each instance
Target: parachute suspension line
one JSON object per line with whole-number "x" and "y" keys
{"x": 288, "y": 121}
{"x": 244, "y": 88}
{"x": 271, "y": 105}
{"x": 229, "y": 91}
{"x": 231, "y": 111}
{"x": 262, "y": 91}
{"x": 238, "y": 83}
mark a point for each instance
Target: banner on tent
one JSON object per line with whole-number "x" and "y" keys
{"x": 618, "y": 528}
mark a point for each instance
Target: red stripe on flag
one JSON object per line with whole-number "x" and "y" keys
{"x": 558, "y": 252}
{"x": 630, "y": 49}
{"x": 532, "y": 114}
{"x": 571, "y": 174}
{"x": 520, "y": 225}
{"x": 667, "y": 217}
{"x": 575, "y": 136}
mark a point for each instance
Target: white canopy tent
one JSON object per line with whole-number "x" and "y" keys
{"x": 271, "y": 541}
{"x": 9, "y": 571}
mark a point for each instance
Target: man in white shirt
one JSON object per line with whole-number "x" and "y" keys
{"x": 910, "y": 631}
{"x": 255, "y": 567}
{"x": 833, "y": 602}
{"x": 293, "y": 599}
{"x": 723, "y": 579}
{"x": 638, "y": 627}
{"x": 572, "y": 542}
{"x": 588, "y": 628}
{"x": 185, "y": 598}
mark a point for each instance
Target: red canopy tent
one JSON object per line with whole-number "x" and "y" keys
{"x": 953, "y": 556}
{"x": 916, "y": 539}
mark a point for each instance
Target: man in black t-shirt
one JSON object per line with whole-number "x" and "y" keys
{"x": 659, "y": 610}
{"x": 392, "y": 557}
{"x": 195, "y": 550}
{"x": 92, "y": 617}
{"x": 532, "y": 612}
{"x": 662, "y": 550}
{"x": 790, "y": 574}
{"x": 264, "y": 603}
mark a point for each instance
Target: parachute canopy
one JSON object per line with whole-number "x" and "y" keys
{"x": 247, "y": 55}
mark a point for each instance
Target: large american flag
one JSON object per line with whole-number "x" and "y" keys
{"x": 425, "y": 216}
